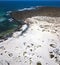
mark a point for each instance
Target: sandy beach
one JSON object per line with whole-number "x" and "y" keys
{"x": 39, "y": 45}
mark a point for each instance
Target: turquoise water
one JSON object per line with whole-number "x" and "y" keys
{"x": 6, "y": 6}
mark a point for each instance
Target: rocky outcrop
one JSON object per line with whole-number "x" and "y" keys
{"x": 38, "y": 11}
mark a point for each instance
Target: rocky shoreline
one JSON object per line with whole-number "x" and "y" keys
{"x": 21, "y": 16}
{"x": 38, "y": 11}
{"x": 39, "y": 45}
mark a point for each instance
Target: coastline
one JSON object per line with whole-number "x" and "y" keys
{"x": 37, "y": 11}
{"x": 39, "y": 45}
{"x": 20, "y": 16}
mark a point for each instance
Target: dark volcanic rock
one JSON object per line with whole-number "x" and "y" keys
{"x": 39, "y": 11}
{"x": 39, "y": 63}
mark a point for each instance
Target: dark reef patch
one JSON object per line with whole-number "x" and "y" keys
{"x": 38, "y": 11}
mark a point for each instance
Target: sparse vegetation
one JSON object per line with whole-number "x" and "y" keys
{"x": 51, "y": 56}
{"x": 39, "y": 63}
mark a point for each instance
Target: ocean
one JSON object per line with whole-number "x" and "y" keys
{"x": 9, "y": 6}
{"x": 15, "y": 5}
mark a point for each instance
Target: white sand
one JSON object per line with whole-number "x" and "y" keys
{"x": 40, "y": 41}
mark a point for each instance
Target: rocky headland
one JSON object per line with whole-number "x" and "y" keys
{"x": 38, "y": 11}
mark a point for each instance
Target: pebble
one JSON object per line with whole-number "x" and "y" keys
{"x": 24, "y": 53}
{"x": 1, "y": 53}
{"x": 10, "y": 54}
{"x": 51, "y": 55}
{"x": 53, "y": 45}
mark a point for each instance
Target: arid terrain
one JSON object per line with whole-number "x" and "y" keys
{"x": 39, "y": 44}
